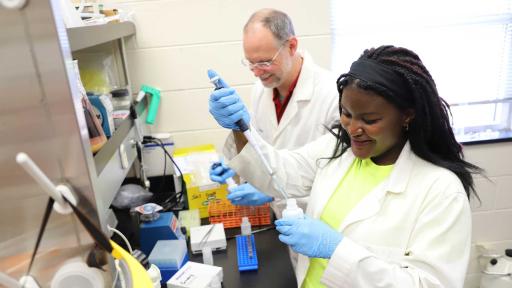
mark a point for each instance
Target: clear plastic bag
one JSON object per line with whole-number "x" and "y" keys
{"x": 131, "y": 195}
{"x": 97, "y": 71}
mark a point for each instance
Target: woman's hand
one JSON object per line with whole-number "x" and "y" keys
{"x": 309, "y": 236}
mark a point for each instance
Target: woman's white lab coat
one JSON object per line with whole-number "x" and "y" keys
{"x": 413, "y": 230}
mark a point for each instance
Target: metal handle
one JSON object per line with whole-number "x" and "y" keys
{"x": 56, "y": 192}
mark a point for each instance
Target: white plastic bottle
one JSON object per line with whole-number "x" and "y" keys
{"x": 292, "y": 211}
{"x": 155, "y": 275}
{"x": 245, "y": 226}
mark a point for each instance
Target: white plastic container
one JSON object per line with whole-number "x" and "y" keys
{"x": 154, "y": 156}
{"x": 292, "y": 211}
{"x": 155, "y": 276}
{"x": 497, "y": 273}
{"x": 168, "y": 253}
{"x": 189, "y": 218}
{"x": 75, "y": 273}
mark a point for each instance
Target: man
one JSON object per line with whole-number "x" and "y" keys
{"x": 292, "y": 102}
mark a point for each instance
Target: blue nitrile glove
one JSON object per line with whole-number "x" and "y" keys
{"x": 226, "y": 106}
{"x": 247, "y": 195}
{"x": 309, "y": 236}
{"x": 219, "y": 172}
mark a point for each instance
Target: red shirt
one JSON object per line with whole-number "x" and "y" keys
{"x": 281, "y": 107}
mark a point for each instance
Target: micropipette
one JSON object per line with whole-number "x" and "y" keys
{"x": 231, "y": 183}
{"x": 247, "y": 133}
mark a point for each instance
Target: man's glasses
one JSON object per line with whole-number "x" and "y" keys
{"x": 264, "y": 64}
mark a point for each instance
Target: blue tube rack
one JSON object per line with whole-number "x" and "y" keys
{"x": 246, "y": 253}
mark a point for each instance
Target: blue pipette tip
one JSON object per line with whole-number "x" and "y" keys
{"x": 212, "y": 74}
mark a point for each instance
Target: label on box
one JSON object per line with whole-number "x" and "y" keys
{"x": 200, "y": 197}
{"x": 174, "y": 223}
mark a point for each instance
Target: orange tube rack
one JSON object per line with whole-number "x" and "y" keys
{"x": 222, "y": 211}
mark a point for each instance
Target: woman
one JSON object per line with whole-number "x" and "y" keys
{"x": 388, "y": 194}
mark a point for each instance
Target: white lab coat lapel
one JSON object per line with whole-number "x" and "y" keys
{"x": 396, "y": 183}
{"x": 289, "y": 113}
{"x": 367, "y": 207}
{"x": 329, "y": 186}
{"x": 303, "y": 92}
{"x": 269, "y": 109}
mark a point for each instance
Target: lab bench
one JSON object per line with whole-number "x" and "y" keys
{"x": 274, "y": 269}
{"x": 274, "y": 264}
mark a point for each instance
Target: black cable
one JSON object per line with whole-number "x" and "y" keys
{"x": 160, "y": 144}
{"x": 253, "y": 231}
{"x": 46, "y": 217}
{"x": 177, "y": 195}
{"x": 162, "y": 185}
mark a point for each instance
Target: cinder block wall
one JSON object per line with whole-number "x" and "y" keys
{"x": 178, "y": 40}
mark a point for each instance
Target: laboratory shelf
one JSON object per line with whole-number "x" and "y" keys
{"x": 105, "y": 154}
{"x": 89, "y": 36}
{"x": 114, "y": 160}
{"x": 107, "y": 169}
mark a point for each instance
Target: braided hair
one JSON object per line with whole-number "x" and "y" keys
{"x": 430, "y": 134}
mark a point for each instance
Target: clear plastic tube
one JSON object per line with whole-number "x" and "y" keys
{"x": 275, "y": 181}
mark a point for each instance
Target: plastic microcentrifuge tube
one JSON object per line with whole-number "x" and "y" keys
{"x": 292, "y": 211}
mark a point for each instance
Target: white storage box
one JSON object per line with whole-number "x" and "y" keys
{"x": 215, "y": 237}
{"x": 153, "y": 156}
{"x": 196, "y": 275}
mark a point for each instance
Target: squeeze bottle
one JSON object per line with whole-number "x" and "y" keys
{"x": 292, "y": 211}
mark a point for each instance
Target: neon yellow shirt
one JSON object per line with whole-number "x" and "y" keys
{"x": 361, "y": 178}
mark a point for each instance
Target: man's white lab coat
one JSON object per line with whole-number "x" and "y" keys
{"x": 413, "y": 230}
{"x": 314, "y": 104}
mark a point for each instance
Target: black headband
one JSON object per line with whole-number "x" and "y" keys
{"x": 373, "y": 72}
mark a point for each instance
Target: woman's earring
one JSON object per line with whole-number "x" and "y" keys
{"x": 406, "y": 126}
